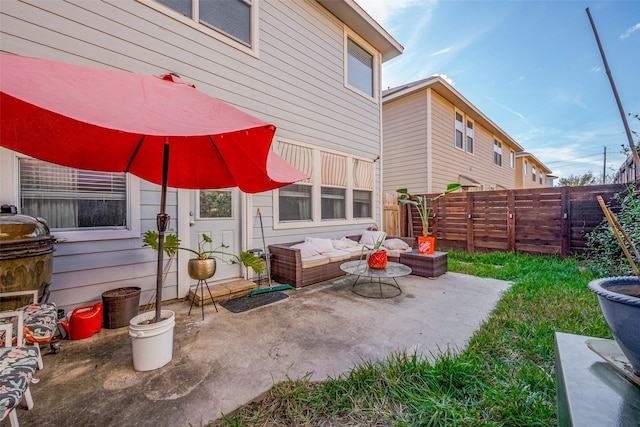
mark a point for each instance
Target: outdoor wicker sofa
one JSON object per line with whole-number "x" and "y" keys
{"x": 290, "y": 267}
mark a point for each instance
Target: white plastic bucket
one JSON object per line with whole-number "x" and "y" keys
{"x": 152, "y": 343}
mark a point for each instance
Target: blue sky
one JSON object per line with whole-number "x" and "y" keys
{"x": 532, "y": 67}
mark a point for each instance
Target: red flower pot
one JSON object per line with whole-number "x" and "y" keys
{"x": 378, "y": 260}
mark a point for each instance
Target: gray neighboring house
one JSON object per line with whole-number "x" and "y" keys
{"x": 312, "y": 68}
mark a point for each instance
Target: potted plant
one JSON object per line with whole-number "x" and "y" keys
{"x": 377, "y": 258}
{"x": 203, "y": 266}
{"x": 152, "y": 341}
{"x": 424, "y": 205}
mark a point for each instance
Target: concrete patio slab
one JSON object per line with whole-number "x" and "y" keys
{"x": 230, "y": 358}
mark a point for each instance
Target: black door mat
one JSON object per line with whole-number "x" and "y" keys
{"x": 238, "y": 305}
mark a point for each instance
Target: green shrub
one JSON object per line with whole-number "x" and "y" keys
{"x": 603, "y": 250}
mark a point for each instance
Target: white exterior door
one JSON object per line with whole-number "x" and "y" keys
{"x": 217, "y": 214}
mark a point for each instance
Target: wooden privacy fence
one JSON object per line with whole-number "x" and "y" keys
{"x": 550, "y": 220}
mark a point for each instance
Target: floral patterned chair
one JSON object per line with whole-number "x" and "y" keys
{"x": 17, "y": 366}
{"x": 40, "y": 323}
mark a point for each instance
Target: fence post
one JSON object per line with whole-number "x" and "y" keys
{"x": 511, "y": 220}
{"x": 470, "y": 238}
{"x": 565, "y": 197}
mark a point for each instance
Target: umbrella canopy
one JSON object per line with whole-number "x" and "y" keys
{"x": 159, "y": 128}
{"x": 117, "y": 121}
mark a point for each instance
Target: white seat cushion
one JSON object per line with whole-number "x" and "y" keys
{"x": 395, "y": 252}
{"x": 369, "y": 237}
{"x": 339, "y": 255}
{"x": 396, "y": 244}
{"x": 321, "y": 245}
{"x": 356, "y": 250}
{"x": 315, "y": 261}
{"x": 306, "y": 249}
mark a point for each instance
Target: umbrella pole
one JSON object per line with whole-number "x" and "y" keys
{"x": 162, "y": 221}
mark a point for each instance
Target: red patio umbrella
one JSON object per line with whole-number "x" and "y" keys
{"x": 117, "y": 121}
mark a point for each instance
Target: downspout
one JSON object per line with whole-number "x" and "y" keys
{"x": 380, "y": 156}
{"x": 429, "y": 145}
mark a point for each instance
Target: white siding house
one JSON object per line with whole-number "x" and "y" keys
{"x": 311, "y": 68}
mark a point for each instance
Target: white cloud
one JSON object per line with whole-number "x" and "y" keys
{"x": 446, "y": 78}
{"x": 594, "y": 69}
{"x": 384, "y": 10}
{"x": 442, "y": 51}
{"x": 630, "y": 31}
{"x": 504, "y": 107}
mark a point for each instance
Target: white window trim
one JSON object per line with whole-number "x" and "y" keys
{"x": 377, "y": 57}
{"x": 466, "y": 148}
{"x": 316, "y": 194}
{"x": 493, "y": 152}
{"x": 465, "y": 119}
{"x": 133, "y": 212}
{"x": 252, "y": 50}
{"x": 455, "y": 130}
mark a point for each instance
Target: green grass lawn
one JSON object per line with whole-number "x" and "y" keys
{"x": 505, "y": 377}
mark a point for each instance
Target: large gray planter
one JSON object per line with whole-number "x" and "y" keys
{"x": 622, "y": 313}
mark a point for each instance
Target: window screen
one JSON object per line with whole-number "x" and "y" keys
{"x": 232, "y": 17}
{"x": 359, "y": 68}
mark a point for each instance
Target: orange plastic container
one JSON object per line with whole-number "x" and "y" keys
{"x": 84, "y": 321}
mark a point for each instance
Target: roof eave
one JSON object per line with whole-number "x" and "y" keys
{"x": 349, "y": 12}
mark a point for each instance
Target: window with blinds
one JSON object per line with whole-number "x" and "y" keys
{"x": 497, "y": 152}
{"x": 469, "y": 136}
{"x": 334, "y": 184}
{"x": 230, "y": 17}
{"x": 459, "y": 130}
{"x": 363, "y": 176}
{"x": 70, "y": 199}
{"x": 295, "y": 201}
{"x": 359, "y": 67}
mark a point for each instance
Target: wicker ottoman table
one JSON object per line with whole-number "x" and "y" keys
{"x": 425, "y": 265}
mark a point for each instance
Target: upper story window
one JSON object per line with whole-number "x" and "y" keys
{"x": 459, "y": 131}
{"x": 497, "y": 152}
{"x": 72, "y": 199}
{"x": 464, "y": 138}
{"x": 526, "y": 165}
{"x": 512, "y": 159}
{"x": 360, "y": 67}
{"x": 533, "y": 173}
{"x": 232, "y": 18}
{"x": 469, "y": 136}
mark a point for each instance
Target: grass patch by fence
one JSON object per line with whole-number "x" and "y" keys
{"x": 505, "y": 377}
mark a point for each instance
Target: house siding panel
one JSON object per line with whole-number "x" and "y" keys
{"x": 405, "y": 144}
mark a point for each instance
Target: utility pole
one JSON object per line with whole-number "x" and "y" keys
{"x": 634, "y": 152}
{"x": 604, "y": 166}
